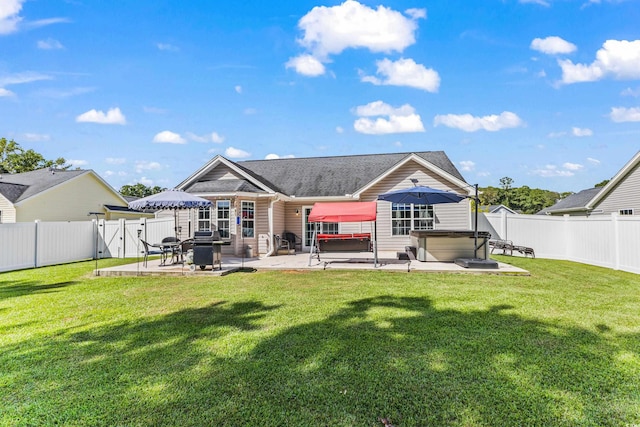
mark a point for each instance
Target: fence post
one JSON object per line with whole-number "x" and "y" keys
{"x": 503, "y": 225}
{"x": 122, "y": 238}
{"x": 35, "y": 246}
{"x": 616, "y": 240}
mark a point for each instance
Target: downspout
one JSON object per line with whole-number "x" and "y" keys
{"x": 270, "y": 215}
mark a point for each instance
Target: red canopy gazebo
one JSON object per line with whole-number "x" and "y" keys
{"x": 344, "y": 212}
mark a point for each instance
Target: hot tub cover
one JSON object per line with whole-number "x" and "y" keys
{"x": 343, "y": 212}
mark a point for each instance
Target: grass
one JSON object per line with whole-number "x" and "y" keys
{"x": 558, "y": 348}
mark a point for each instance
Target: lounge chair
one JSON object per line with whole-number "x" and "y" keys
{"x": 293, "y": 239}
{"x": 148, "y": 251}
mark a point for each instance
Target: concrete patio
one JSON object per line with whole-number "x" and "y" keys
{"x": 387, "y": 261}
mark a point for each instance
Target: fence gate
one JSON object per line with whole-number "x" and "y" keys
{"x": 110, "y": 232}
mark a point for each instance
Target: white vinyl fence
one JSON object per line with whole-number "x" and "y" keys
{"x": 608, "y": 241}
{"x": 38, "y": 244}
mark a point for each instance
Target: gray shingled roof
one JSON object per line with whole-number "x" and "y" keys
{"x": 20, "y": 186}
{"x": 573, "y": 201}
{"x": 224, "y": 186}
{"x": 333, "y": 176}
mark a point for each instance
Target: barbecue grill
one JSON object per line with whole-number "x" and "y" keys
{"x": 207, "y": 250}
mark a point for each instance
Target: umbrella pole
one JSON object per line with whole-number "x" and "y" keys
{"x": 475, "y": 227}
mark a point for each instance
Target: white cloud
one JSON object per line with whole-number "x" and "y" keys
{"x": 631, "y": 92}
{"x": 339, "y": 129}
{"x": 572, "y": 166}
{"x": 592, "y": 160}
{"x": 416, "y": 13}
{"x": 9, "y": 19}
{"x": 397, "y": 144}
{"x": 168, "y": 137}
{"x": 37, "y": 137}
{"x": 469, "y": 123}
{"x": 380, "y": 108}
{"x": 538, "y": 2}
{"x": 168, "y": 47}
{"x": 211, "y": 137}
{"x": 405, "y": 72}
{"x": 556, "y": 134}
{"x": 552, "y": 171}
{"x": 115, "y": 160}
{"x": 236, "y": 153}
{"x": 21, "y": 78}
{"x": 238, "y": 89}
{"x": 77, "y": 163}
{"x": 622, "y": 114}
{"x": 112, "y": 117}
{"x": 146, "y": 181}
{"x": 217, "y": 138}
{"x": 330, "y": 30}
{"x": 49, "y": 44}
{"x": 581, "y": 131}
{"x": 394, "y": 120}
{"x": 307, "y": 65}
{"x": 250, "y": 111}
{"x": 467, "y": 165}
{"x": 553, "y": 45}
{"x": 144, "y": 165}
{"x": 276, "y": 156}
{"x": 617, "y": 58}
{"x": 5, "y": 92}
{"x": 64, "y": 93}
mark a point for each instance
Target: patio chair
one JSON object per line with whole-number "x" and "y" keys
{"x": 148, "y": 251}
{"x": 171, "y": 246}
{"x": 281, "y": 243}
{"x": 293, "y": 240}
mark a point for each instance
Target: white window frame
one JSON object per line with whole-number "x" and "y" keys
{"x": 420, "y": 217}
{"x": 222, "y": 218}
{"x": 248, "y": 223}
{"x": 204, "y": 219}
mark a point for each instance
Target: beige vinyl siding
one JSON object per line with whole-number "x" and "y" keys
{"x": 8, "y": 211}
{"x": 220, "y": 172}
{"x": 70, "y": 201}
{"x": 261, "y": 245}
{"x": 626, "y": 195}
{"x": 452, "y": 216}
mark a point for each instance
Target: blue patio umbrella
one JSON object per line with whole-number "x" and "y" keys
{"x": 170, "y": 199}
{"x": 421, "y": 195}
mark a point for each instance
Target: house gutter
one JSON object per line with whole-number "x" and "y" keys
{"x": 270, "y": 215}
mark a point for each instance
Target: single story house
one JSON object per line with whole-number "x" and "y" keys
{"x": 60, "y": 195}
{"x": 255, "y": 200}
{"x": 621, "y": 195}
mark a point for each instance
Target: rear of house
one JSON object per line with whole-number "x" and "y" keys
{"x": 253, "y": 201}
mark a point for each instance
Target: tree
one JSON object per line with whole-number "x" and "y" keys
{"x": 505, "y": 183}
{"x": 15, "y": 159}
{"x": 602, "y": 183}
{"x": 140, "y": 190}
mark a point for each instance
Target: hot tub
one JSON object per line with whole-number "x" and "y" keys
{"x": 448, "y": 245}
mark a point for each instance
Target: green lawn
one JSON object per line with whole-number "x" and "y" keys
{"x": 325, "y": 348}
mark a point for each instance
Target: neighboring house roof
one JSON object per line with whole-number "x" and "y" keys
{"x": 572, "y": 203}
{"x": 497, "y": 208}
{"x": 315, "y": 176}
{"x": 615, "y": 181}
{"x": 20, "y": 186}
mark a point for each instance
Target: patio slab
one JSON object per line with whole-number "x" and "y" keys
{"x": 343, "y": 261}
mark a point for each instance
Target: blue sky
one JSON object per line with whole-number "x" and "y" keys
{"x": 546, "y": 92}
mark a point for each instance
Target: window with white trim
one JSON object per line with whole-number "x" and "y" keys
{"x": 204, "y": 219}
{"x": 223, "y": 211}
{"x": 625, "y": 212}
{"x": 406, "y": 217}
{"x": 248, "y": 219}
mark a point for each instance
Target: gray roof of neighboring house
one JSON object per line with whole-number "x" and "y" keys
{"x": 332, "y": 176}
{"x": 20, "y": 186}
{"x": 573, "y": 202}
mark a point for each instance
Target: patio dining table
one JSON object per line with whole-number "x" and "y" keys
{"x": 169, "y": 247}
